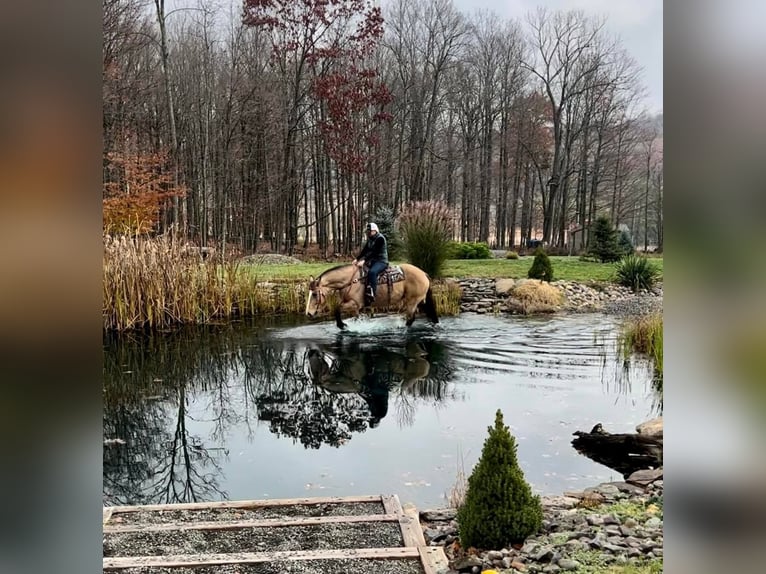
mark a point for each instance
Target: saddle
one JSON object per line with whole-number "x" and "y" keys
{"x": 392, "y": 274}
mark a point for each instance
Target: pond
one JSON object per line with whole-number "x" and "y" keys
{"x": 297, "y": 409}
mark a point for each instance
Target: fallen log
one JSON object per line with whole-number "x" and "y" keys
{"x": 626, "y": 452}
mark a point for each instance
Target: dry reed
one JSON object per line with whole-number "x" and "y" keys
{"x": 159, "y": 282}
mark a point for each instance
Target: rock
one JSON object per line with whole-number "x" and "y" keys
{"x": 431, "y": 533}
{"x": 504, "y": 286}
{"x": 630, "y": 489}
{"x": 516, "y": 565}
{"x": 466, "y": 563}
{"x": 653, "y": 522}
{"x": 575, "y": 545}
{"x": 630, "y": 522}
{"x": 551, "y": 568}
{"x": 438, "y": 515}
{"x": 529, "y": 548}
{"x": 606, "y": 489}
{"x": 595, "y": 520}
{"x": 611, "y": 519}
{"x": 613, "y": 531}
{"x": 645, "y": 477}
{"x": 632, "y": 542}
{"x": 652, "y": 428}
{"x": 563, "y": 502}
{"x": 625, "y": 531}
{"x": 545, "y": 554}
{"x": 568, "y": 564}
{"x": 648, "y": 546}
{"x": 507, "y": 562}
{"x": 494, "y": 555}
{"x": 633, "y": 552}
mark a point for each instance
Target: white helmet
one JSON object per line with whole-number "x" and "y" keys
{"x": 372, "y": 227}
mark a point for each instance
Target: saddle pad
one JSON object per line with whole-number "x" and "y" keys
{"x": 392, "y": 274}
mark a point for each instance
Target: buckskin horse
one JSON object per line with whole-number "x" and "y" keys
{"x": 402, "y": 287}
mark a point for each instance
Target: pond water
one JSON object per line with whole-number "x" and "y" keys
{"x": 286, "y": 410}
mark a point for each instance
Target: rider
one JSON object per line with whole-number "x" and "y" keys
{"x": 375, "y": 253}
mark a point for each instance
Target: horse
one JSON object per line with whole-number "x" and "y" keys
{"x": 403, "y": 287}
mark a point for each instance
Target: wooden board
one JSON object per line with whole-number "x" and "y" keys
{"x": 262, "y": 523}
{"x": 249, "y": 503}
{"x": 192, "y": 560}
{"x": 434, "y": 559}
{"x": 412, "y": 532}
{"x": 392, "y": 505}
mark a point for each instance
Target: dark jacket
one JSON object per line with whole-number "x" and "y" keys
{"x": 376, "y": 249}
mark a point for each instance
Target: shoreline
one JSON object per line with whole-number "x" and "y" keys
{"x": 607, "y": 526}
{"x": 494, "y": 295}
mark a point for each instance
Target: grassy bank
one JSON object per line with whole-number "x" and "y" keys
{"x": 566, "y": 268}
{"x": 158, "y": 283}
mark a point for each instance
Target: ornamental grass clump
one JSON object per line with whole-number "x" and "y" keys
{"x": 499, "y": 505}
{"x": 426, "y": 228}
{"x": 636, "y": 272}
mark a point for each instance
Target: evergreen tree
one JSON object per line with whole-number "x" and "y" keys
{"x": 603, "y": 244}
{"x": 541, "y": 267}
{"x": 625, "y": 244}
{"x": 499, "y": 506}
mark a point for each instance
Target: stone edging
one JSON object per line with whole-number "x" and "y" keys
{"x": 486, "y": 295}
{"x": 609, "y": 524}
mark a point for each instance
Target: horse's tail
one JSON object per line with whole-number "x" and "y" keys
{"x": 430, "y": 306}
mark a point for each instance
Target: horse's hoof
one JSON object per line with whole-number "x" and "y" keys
{"x": 342, "y": 325}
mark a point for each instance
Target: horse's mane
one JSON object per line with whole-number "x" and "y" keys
{"x": 332, "y": 269}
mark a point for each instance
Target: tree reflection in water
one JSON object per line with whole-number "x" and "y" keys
{"x": 316, "y": 394}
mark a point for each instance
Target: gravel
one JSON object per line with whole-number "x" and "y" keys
{"x": 231, "y": 514}
{"x": 324, "y": 537}
{"x": 345, "y": 566}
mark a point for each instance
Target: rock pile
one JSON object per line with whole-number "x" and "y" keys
{"x": 610, "y": 524}
{"x": 484, "y": 295}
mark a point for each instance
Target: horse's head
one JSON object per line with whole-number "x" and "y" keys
{"x": 315, "y": 299}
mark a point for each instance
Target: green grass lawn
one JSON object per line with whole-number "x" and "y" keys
{"x": 568, "y": 268}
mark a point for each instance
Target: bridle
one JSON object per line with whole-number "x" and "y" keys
{"x": 321, "y": 297}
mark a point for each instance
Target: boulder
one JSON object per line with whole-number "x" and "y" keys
{"x": 651, "y": 428}
{"x": 504, "y": 286}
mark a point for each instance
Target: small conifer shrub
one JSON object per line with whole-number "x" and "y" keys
{"x": 541, "y": 267}
{"x": 499, "y": 505}
{"x": 604, "y": 243}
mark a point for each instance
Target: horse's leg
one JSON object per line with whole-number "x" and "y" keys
{"x": 350, "y": 307}
{"x": 412, "y": 309}
{"x": 338, "y": 320}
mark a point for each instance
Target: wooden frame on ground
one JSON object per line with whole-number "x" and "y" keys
{"x": 432, "y": 558}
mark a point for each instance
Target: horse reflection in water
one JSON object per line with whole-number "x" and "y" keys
{"x": 370, "y": 373}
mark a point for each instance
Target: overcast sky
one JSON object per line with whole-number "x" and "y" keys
{"x": 637, "y": 22}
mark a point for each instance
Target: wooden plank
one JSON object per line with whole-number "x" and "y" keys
{"x": 411, "y": 531}
{"x": 434, "y": 560}
{"x": 392, "y": 505}
{"x": 107, "y": 514}
{"x": 261, "y": 523}
{"x": 249, "y": 503}
{"x": 413, "y": 527}
{"x": 192, "y": 560}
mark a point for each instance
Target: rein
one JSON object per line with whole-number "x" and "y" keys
{"x": 356, "y": 279}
